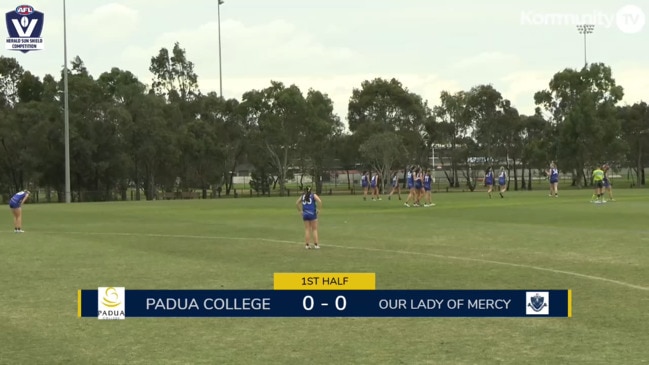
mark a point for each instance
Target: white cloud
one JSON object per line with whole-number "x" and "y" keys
{"x": 488, "y": 59}
{"x": 271, "y": 49}
{"x": 635, "y": 82}
{"x": 109, "y": 22}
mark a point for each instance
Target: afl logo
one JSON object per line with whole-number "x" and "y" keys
{"x": 24, "y": 10}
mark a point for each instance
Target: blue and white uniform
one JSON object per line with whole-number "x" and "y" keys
{"x": 374, "y": 179}
{"x": 554, "y": 176}
{"x": 427, "y": 181}
{"x": 418, "y": 182}
{"x": 309, "y": 208}
{"x": 411, "y": 180}
{"x": 607, "y": 183}
{"x": 364, "y": 182}
{"x": 395, "y": 181}
{"x": 502, "y": 179}
{"x": 17, "y": 200}
{"x": 489, "y": 178}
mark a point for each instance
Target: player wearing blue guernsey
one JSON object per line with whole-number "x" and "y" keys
{"x": 374, "y": 185}
{"x": 15, "y": 204}
{"x": 365, "y": 183}
{"x": 410, "y": 177}
{"x": 309, "y": 205}
{"x": 395, "y": 186}
{"x": 553, "y": 176}
{"x": 489, "y": 180}
{"x": 419, "y": 185}
{"x": 502, "y": 181}
{"x": 428, "y": 180}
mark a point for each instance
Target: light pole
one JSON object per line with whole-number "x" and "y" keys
{"x": 66, "y": 114}
{"x": 432, "y": 147}
{"x": 585, "y": 29}
{"x": 220, "y": 68}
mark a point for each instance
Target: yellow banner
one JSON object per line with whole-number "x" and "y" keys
{"x": 325, "y": 281}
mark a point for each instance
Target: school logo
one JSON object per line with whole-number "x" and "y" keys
{"x": 25, "y": 26}
{"x": 111, "y": 303}
{"x": 538, "y": 303}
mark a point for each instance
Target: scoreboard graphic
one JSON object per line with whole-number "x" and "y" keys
{"x": 322, "y": 295}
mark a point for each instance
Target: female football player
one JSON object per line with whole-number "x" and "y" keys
{"x": 309, "y": 205}
{"x": 365, "y": 184}
{"x": 502, "y": 181}
{"x": 410, "y": 177}
{"x": 15, "y": 204}
{"x": 419, "y": 185}
{"x": 553, "y": 175}
{"x": 607, "y": 183}
{"x": 428, "y": 199}
{"x": 374, "y": 185}
{"x": 395, "y": 185}
{"x": 489, "y": 180}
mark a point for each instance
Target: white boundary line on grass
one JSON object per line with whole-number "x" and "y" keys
{"x": 401, "y": 252}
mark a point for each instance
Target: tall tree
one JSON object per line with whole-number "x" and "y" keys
{"x": 384, "y": 151}
{"x": 173, "y": 74}
{"x": 582, "y": 105}
{"x": 10, "y": 74}
{"x": 278, "y": 114}
{"x": 635, "y": 127}
{"x": 387, "y": 106}
{"x": 454, "y": 124}
{"x": 317, "y": 137}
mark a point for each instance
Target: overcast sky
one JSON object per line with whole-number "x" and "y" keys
{"x": 334, "y": 45}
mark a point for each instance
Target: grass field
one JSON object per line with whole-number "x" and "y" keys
{"x": 467, "y": 241}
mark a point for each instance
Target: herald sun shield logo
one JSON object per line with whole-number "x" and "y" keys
{"x": 24, "y": 25}
{"x": 538, "y": 303}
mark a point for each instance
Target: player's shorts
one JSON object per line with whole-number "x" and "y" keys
{"x": 554, "y": 181}
{"x": 410, "y": 186}
{"x": 488, "y": 183}
{"x": 599, "y": 184}
{"x": 502, "y": 182}
{"x": 14, "y": 205}
{"x": 606, "y": 183}
{"x": 427, "y": 188}
{"x": 417, "y": 186}
{"x": 309, "y": 217}
{"x": 364, "y": 186}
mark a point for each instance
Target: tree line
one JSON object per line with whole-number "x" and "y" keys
{"x": 167, "y": 135}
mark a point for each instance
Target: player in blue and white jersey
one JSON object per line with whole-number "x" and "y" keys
{"x": 15, "y": 204}
{"x": 395, "y": 185}
{"x": 553, "y": 176}
{"x": 428, "y": 180}
{"x": 410, "y": 178}
{"x": 309, "y": 205}
{"x": 365, "y": 183}
{"x": 419, "y": 185}
{"x": 374, "y": 185}
{"x": 489, "y": 180}
{"x": 502, "y": 181}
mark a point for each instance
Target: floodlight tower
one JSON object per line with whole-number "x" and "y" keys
{"x": 585, "y": 29}
{"x": 66, "y": 113}
{"x": 218, "y": 7}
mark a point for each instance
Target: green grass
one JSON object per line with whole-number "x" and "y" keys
{"x": 466, "y": 242}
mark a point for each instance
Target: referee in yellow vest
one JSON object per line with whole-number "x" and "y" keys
{"x": 598, "y": 180}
